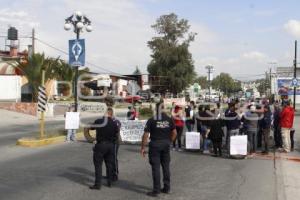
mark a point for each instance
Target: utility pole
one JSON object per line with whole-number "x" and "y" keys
{"x": 295, "y": 73}
{"x": 33, "y": 41}
{"x": 210, "y": 69}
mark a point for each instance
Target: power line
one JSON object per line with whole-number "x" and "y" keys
{"x": 66, "y": 53}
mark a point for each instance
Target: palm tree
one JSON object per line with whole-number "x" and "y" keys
{"x": 32, "y": 69}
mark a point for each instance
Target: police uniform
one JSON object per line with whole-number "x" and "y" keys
{"x": 115, "y": 169}
{"x": 159, "y": 149}
{"x": 106, "y": 135}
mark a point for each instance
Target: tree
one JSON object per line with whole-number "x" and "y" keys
{"x": 171, "y": 59}
{"x": 32, "y": 69}
{"x": 202, "y": 80}
{"x": 137, "y": 71}
{"x": 226, "y": 84}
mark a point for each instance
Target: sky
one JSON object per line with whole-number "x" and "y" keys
{"x": 243, "y": 38}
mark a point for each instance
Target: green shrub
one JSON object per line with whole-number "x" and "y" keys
{"x": 145, "y": 112}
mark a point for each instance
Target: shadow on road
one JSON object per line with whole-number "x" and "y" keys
{"x": 85, "y": 177}
{"x": 131, "y": 186}
{"x": 79, "y": 175}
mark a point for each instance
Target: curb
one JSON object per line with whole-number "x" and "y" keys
{"x": 31, "y": 142}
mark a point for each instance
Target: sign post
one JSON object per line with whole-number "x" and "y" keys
{"x": 42, "y": 102}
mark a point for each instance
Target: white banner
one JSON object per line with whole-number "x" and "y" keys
{"x": 132, "y": 130}
{"x": 177, "y": 101}
{"x": 192, "y": 140}
{"x": 72, "y": 120}
{"x": 238, "y": 145}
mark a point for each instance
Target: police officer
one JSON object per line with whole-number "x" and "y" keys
{"x": 106, "y": 135}
{"x": 162, "y": 132}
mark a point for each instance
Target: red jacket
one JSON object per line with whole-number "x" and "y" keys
{"x": 287, "y": 117}
{"x": 177, "y": 118}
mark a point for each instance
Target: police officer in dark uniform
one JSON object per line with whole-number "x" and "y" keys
{"x": 161, "y": 129}
{"x": 106, "y": 135}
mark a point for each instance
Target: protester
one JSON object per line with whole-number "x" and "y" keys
{"x": 131, "y": 113}
{"x": 250, "y": 123}
{"x": 161, "y": 129}
{"x": 266, "y": 127}
{"x": 71, "y": 132}
{"x": 260, "y": 113}
{"x": 276, "y": 126}
{"x": 106, "y": 135}
{"x": 177, "y": 116}
{"x": 189, "y": 116}
{"x": 286, "y": 123}
{"x": 204, "y": 119}
{"x": 233, "y": 123}
{"x": 198, "y": 121}
{"x": 215, "y": 134}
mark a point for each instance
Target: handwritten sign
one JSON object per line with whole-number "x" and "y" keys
{"x": 238, "y": 145}
{"x": 72, "y": 120}
{"x": 192, "y": 140}
{"x": 132, "y": 130}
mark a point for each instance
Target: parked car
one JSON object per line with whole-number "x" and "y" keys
{"x": 133, "y": 99}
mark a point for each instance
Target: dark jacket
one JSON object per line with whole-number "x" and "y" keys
{"x": 233, "y": 121}
{"x": 276, "y": 118}
{"x": 266, "y": 120}
{"x": 216, "y": 131}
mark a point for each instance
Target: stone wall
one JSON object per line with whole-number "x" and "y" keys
{"x": 26, "y": 108}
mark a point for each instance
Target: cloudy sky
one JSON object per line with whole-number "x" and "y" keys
{"x": 238, "y": 37}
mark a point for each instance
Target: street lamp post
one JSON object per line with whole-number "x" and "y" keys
{"x": 78, "y": 21}
{"x": 210, "y": 69}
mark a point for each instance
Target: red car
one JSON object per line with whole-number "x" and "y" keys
{"x": 133, "y": 99}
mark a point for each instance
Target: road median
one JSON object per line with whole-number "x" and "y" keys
{"x": 39, "y": 142}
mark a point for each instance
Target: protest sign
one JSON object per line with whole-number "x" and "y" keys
{"x": 132, "y": 130}
{"x": 72, "y": 120}
{"x": 238, "y": 145}
{"x": 192, "y": 140}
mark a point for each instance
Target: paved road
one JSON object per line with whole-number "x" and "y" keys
{"x": 16, "y": 125}
{"x": 65, "y": 171}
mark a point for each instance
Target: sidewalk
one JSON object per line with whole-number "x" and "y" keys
{"x": 288, "y": 170}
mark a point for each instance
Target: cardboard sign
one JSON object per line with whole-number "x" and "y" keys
{"x": 132, "y": 130}
{"x": 72, "y": 120}
{"x": 238, "y": 145}
{"x": 192, "y": 140}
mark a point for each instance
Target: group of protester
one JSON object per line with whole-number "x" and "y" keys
{"x": 256, "y": 121}
{"x": 162, "y": 130}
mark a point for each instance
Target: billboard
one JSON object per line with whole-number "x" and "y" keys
{"x": 286, "y": 87}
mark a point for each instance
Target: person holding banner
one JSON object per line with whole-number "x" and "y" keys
{"x": 233, "y": 123}
{"x": 215, "y": 134}
{"x": 189, "y": 116}
{"x": 70, "y": 132}
{"x": 250, "y": 123}
{"x": 162, "y": 132}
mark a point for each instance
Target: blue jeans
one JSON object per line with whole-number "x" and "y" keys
{"x": 71, "y": 134}
{"x": 206, "y": 141}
